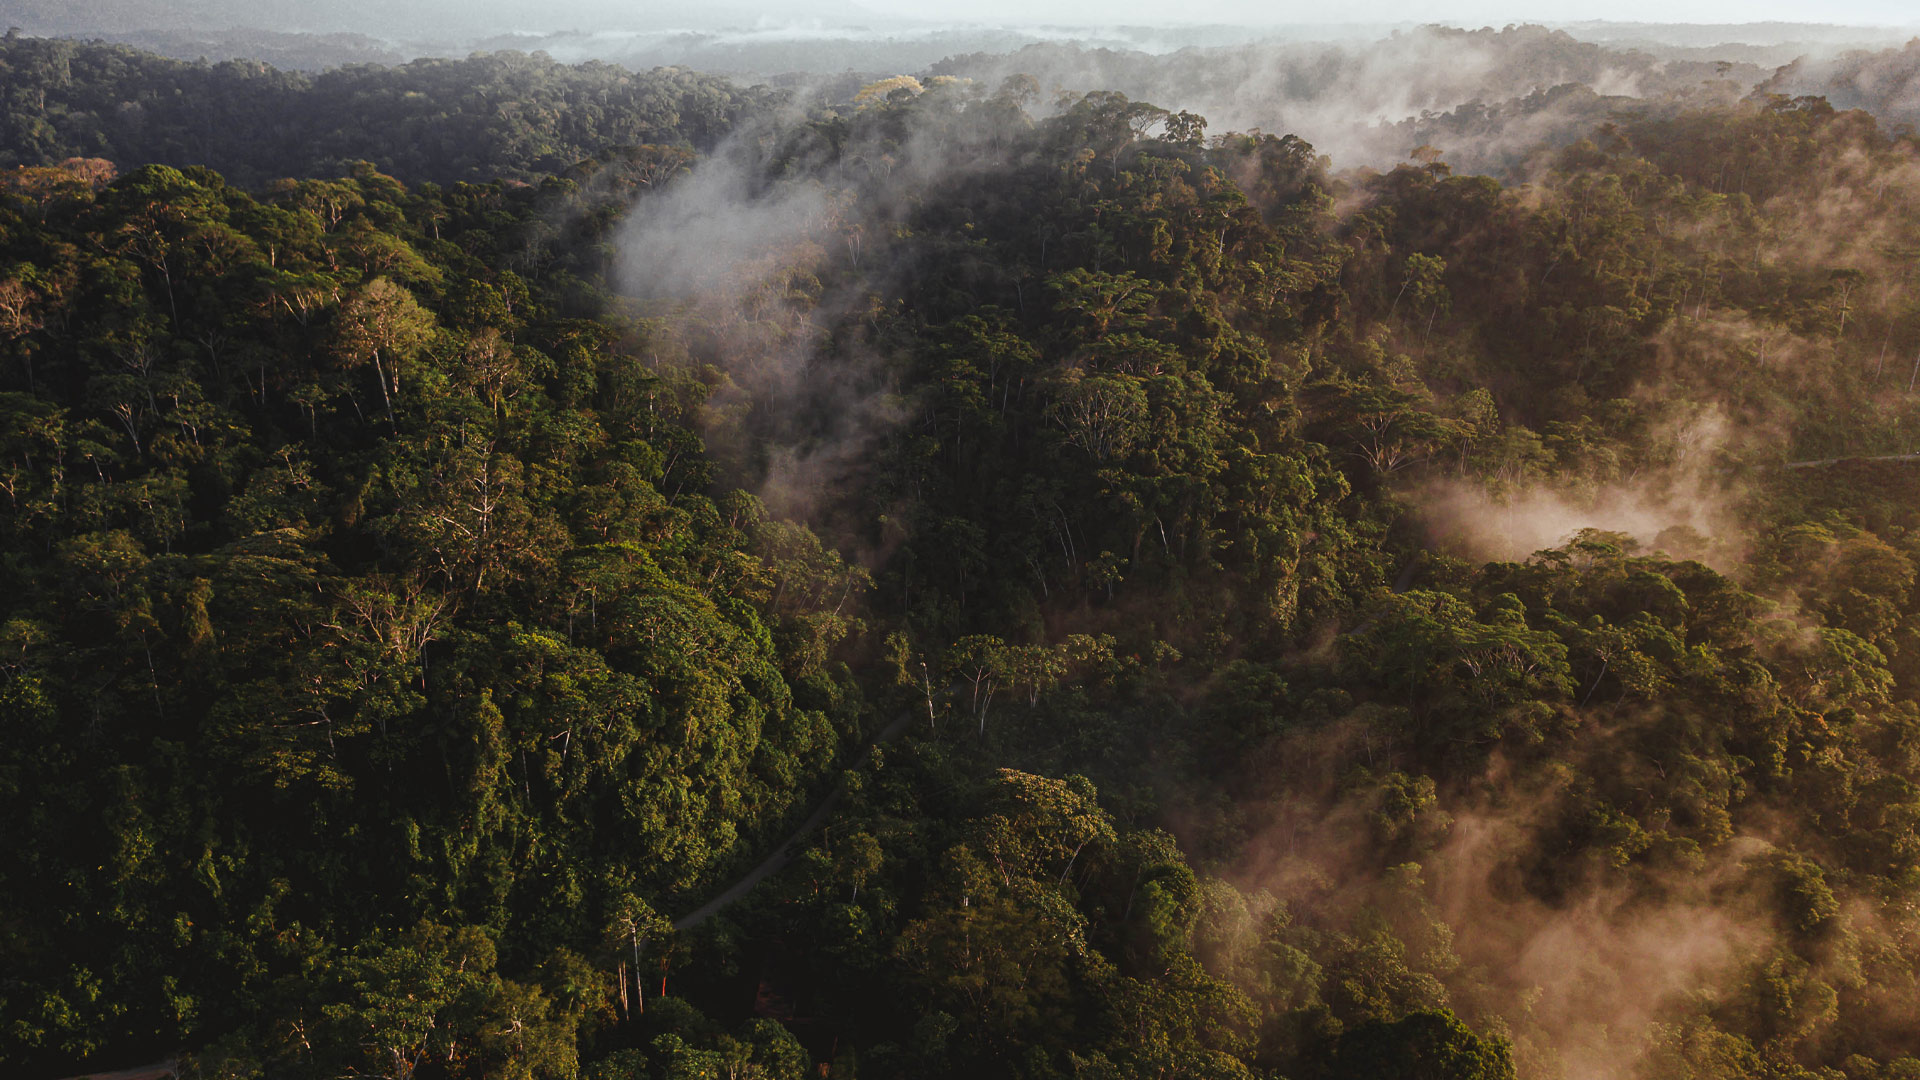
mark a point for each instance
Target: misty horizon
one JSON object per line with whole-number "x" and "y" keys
{"x": 1393, "y": 85}
{"x": 442, "y": 23}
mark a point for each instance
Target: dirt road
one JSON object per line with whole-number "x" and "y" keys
{"x": 785, "y": 852}
{"x": 144, "y": 1072}
{"x": 772, "y": 864}
{"x": 1824, "y": 462}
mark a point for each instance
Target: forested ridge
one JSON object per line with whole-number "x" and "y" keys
{"x": 490, "y": 116}
{"x": 418, "y": 597}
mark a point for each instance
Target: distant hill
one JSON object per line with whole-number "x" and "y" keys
{"x": 498, "y": 115}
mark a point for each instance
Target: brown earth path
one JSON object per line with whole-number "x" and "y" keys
{"x": 156, "y": 1071}
{"x": 789, "y": 848}
{"x": 772, "y": 864}
{"x": 1823, "y": 462}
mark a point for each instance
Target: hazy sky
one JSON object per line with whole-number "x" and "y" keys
{"x": 1456, "y": 12}
{"x": 550, "y": 14}
{"x": 1494, "y": 12}
{"x": 453, "y": 18}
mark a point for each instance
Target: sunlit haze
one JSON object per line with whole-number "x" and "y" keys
{"x": 1454, "y": 12}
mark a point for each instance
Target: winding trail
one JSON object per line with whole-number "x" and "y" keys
{"x": 771, "y": 865}
{"x": 786, "y": 850}
{"x": 145, "y": 1072}
{"x": 1824, "y": 462}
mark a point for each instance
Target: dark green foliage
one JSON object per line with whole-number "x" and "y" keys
{"x": 391, "y": 649}
{"x": 338, "y": 601}
{"x": 1428, "y": 1045}
{"x": 490, "y": 116}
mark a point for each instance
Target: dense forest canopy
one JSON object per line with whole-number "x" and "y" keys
{"x": 493, "y": 116}
{"x": 1245, "y": 619}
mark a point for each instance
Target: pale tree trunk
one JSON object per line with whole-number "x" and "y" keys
{"x": 380, "y": 372}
